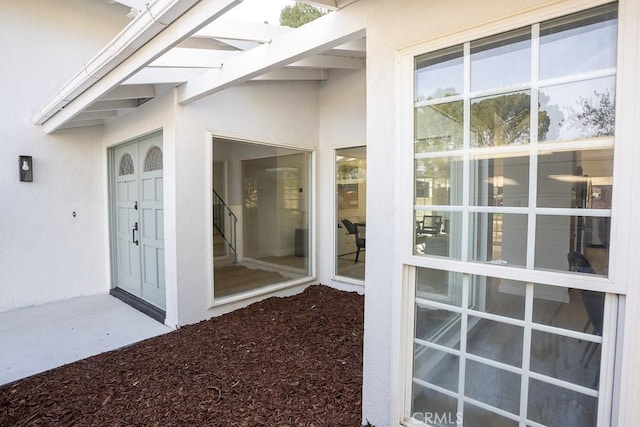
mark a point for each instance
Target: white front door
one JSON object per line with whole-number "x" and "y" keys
{"x": 138, "y": 215}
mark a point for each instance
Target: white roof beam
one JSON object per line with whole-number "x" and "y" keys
{"x": 130, "y": 92}
{"x": 330, "y": 61}
{"x": 120, "y": 104}
{"x": 239, "y": 30}
{"x": 183, "y": 57}
{"x": 192, "y": 20}
{"x": 161, "y": 75}
{"x": 73, "y": 125}
{"x": 83, "y": 117}
{"x": 354, "y": 48}
{"x": 331, "y": 30}
{"x": 293, "y": 74}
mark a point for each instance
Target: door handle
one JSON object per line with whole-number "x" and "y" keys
{"x": 133, "y": 233}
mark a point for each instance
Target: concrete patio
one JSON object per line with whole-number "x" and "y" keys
{"x": 40, "y": 338}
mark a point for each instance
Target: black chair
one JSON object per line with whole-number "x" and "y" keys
{"x": 353, "y": 229}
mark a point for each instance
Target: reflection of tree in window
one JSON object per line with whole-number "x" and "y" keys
{"x": 250, "y": 193}
{"x": 504, "y": 120}
{"x": 597, "y": 116}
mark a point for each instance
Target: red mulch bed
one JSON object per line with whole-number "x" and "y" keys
{"x": 293, "y": 361}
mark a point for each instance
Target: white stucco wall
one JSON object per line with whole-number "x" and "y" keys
{"x": 45, "y": 253}
{"x": 342, "y": 123}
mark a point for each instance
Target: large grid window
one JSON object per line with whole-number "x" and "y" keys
{"x": 514, "y": 140}
{"x": 513, "y": 166}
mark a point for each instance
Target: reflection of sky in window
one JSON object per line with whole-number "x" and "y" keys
{"x": 500, "y": 63}
{"x": 441, "y": 75}
{"x": 577, "y": 50}
{"x": 561, "y": 103}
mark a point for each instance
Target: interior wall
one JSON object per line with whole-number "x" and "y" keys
{"x": 46, "y": 253}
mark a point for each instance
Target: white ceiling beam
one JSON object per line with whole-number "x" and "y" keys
{"x": 130, "y": 92}
{"x": 95, "y": 115}
{"x": 183, "y": 57}
{"x": 330, "y": 61}
{"x": 240, "y": 30}
{"x": 243, "y": 45}
{"x": 162, "y": 75}
{"x": 119, "y": 104}
{"x": 329, "y": 31}
{"x": 354, "y": 48}
{"x": 287, "y": 74}
{"x": 201, "y": 14}
{"x": 73, "y": 125}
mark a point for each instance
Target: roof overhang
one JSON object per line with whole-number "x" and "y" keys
{"x": 185, "y": 44}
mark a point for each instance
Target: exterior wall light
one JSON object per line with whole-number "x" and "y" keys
{"x": 25, "y": 164}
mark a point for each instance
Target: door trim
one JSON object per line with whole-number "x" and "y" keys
{"x": 138, "y": 303}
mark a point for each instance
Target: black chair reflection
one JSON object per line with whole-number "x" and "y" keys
{"x": 593, "y": 303}
{"x": 359, "y": 236}
{"x": 429, "y": 225}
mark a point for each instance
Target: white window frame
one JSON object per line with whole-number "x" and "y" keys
{"x": 621, "y": 271}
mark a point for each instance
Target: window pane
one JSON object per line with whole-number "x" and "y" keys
{"x": 439, "y": 181}
{"x": 579, "y": 43}
{"x": 495, "y": 341}
{"x": 438, "y": 326}
{"x": 501, "y": 119}
{"x": 499, "y": 238}
{"x": 475, "y": 416}
{"x": 501, "y": 61}
{"x": 438, "y": 233}
{"x": 439, "y": 127}
{"x": 436, "y": 367}
{"x": 270, "y": 196}
{"x": 500, "y": 180}
{"x": 574, "y": 309}
{"x": 493, "y": 386}
{"x": 558, "y": 236}
{"x": 498, "y": 296}
{"x": 565, "y": 358}
{"x": 351, "y": 208}
{"x": 584, "y": 109}
{"x": 439, "y": 74}
{"x": 439, "y": 285}
{"x": 433, "y": 408}
{"x": 555, "y": 406}
{"x": 575, "y": 179}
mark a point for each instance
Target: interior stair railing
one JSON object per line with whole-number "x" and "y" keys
{"x": 226, "y": 222}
